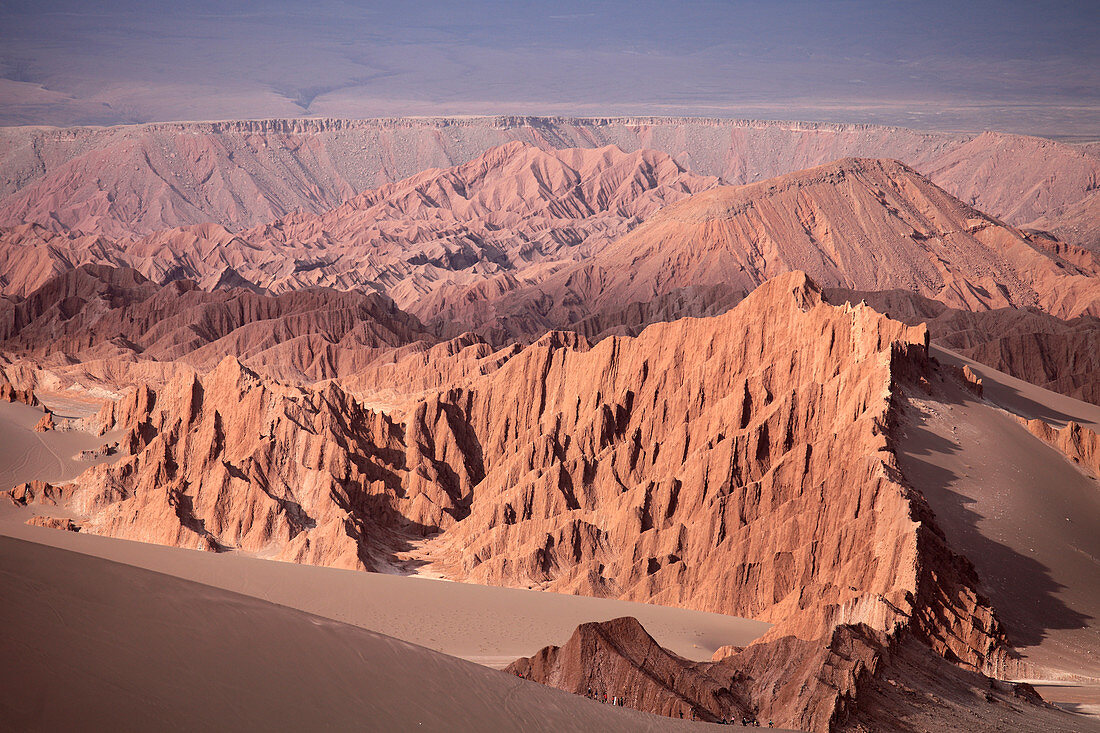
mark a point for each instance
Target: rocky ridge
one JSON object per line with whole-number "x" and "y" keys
{"x": 510, "y": 208}
{"x": 870, "y": 225}
{"x": 136, "y": 179}
{"x": 97, "y": 322}
{"x": 755, "y": 478}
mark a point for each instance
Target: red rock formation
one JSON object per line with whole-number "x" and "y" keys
{"x": 618, "y": 660}
{"x": 692, "y": 259}
{"x": 1077, "y": 443}
{"x": 101, "y": 314}
{"x": 107, "y": 449}
{"x": 229, "y": 461}
{"x": 738, "y": 464}
{"x": 8, "y": 393}
{"x": 46, "y": 423}
{"x": 856, "y": 223}
{"x": 894, "y": 682}
{"x": 39, "y": 492}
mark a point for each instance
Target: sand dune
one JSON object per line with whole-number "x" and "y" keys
{"x": 489, "y": 625}
{"x": 1027, "y": 518}
{"x": 1023, "y": 398}
{"x": 96, "y": 645}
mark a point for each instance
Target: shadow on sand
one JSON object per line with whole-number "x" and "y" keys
{"x": 1022, "y": 589}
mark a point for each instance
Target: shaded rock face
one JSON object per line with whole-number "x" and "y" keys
{"x": 619, "y": 659}
{"x": 908, "y": 675}
{"x": 1059, "y": 355}
{"x": 115, "y": 317}
{"x": 739, "y": 464}
{"x": 510, "y": 208}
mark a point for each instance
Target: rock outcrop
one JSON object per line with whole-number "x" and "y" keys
{"x": 46, "y": 423}
{"x": 63, "y": 523}
{"x": 1079, "y": 444}
{"x": 860, "y": 224}
{"x": 618, "y": 660}
{"x": 1059, "y": 355}
{"x": 739, "y": 464}
{"x": 39, "y": 492}
{"x": 103, "y": 319}
{"x": 8, "y": 393}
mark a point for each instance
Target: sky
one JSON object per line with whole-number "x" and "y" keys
{"x": 1031, "y": 67}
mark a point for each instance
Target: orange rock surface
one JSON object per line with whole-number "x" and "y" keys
{"x": 739, "y": 464}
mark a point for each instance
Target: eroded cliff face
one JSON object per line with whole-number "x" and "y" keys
{"x": 230, "y": 461}
{"x": 739, "y": 464}
{"x": 1059, "y": 355}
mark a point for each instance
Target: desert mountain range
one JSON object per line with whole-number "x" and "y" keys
{"x": 694, "y": 363}
{"x": 136, "y": 179}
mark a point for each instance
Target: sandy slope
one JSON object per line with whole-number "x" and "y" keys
{"x": 96, "y": 645}
{"x": 49, "y": 456}
{"x": 1024, "y": 398}
{"x": 1027, "y": 517}
{"x": 490, "y": 625}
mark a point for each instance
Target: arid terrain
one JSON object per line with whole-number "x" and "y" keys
{"x": 709, "y": 420}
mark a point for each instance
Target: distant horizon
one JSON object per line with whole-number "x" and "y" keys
{"x": 810, "y": 123}
{"x": 939, "y": 66}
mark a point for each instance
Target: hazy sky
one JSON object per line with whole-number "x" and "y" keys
{"x": 1018, "y": 66}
